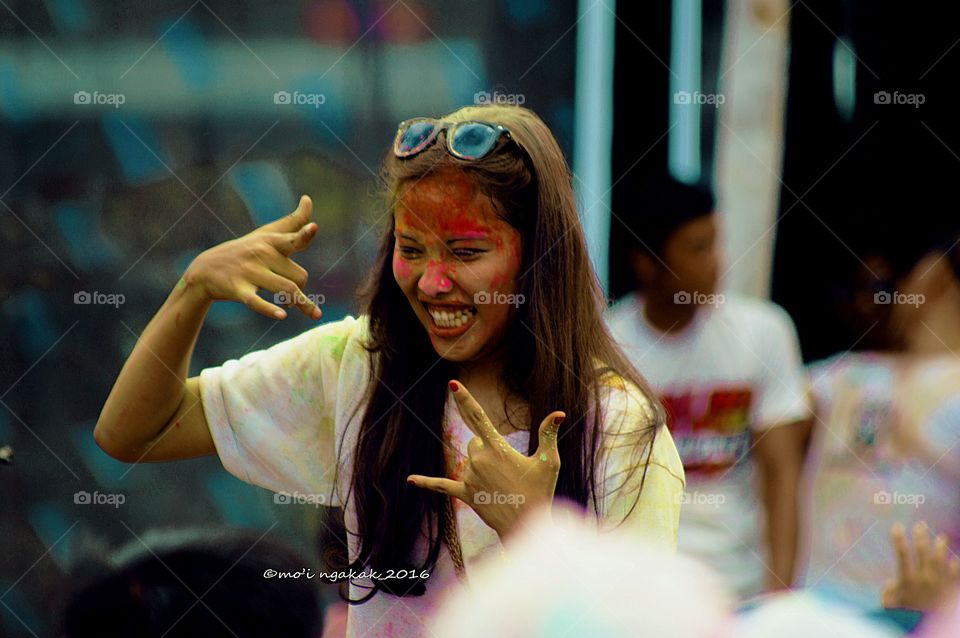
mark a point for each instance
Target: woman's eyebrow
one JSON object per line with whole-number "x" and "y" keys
{"x": 469, "y": 236}
{"x": 464, "y": 236}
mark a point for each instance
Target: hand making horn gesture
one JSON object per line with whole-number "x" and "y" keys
{"x": 263, "y": 259}
{"x": 500, "y": 483}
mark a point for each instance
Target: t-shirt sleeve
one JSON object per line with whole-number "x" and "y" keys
{"x": 626, "y": 449}
{"x": 784, "y": 385}
{"x": 272, "y": 413}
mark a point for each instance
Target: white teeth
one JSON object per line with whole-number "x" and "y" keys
{"x": 445, "y": 319}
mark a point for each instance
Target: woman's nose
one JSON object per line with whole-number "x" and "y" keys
{"x": 435, "y": 279}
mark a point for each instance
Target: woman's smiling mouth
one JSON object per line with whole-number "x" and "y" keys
{"x": 450, "y": 320}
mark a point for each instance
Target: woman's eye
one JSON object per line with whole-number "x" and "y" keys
{"x": 467, "y": 252}
{"x": 408, "y": 251}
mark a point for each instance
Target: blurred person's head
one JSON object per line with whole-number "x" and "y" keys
{"x": 564, "y": 578}
{"x": 919, "y": 290}
{"x": 193, "y": 583}
{"x": 673, "y": 240}
{"x": 483, "y": 266}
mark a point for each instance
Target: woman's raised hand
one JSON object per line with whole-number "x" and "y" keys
{"x": 922, "y": 581}
{"x": 499, "y": 483}
{"x": 236, "y": 269}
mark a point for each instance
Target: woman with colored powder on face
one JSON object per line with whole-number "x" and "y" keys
{"x": 478, "y": 383}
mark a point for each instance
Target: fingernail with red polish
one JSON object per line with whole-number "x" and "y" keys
{"x": 557, "y": 420}
{"x": 454, "y": 386}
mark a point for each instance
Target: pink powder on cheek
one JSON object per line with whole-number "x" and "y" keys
{"x": 401, "y": 269}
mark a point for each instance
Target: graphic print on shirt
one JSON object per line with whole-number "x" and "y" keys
{"x": 711, "y": 427}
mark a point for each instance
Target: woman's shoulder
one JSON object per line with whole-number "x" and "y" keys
{"x": 335, "y": 338}
{"x": 623, "y": 397}
{"x": 632, "y": 420}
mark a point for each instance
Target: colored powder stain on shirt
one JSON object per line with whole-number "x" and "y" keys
{"x": 336, "y": 343}
{"x": 300, "y": 394}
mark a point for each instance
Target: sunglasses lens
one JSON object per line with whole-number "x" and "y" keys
{"x": 474, "y": 140}
{"x": 415, "y": 137}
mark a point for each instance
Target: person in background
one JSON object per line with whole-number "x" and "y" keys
{"x": 887, "y": 452}
{"x": 187, "y": 583}
{"x": 728, "y": 370}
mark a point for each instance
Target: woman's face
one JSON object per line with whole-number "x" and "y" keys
{"x": 457, "y": 263}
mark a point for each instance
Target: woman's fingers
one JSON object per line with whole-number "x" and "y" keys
{"x": 940, "y": 554}
{"x": 442, "y": 485}
{"x": 475, "y": 418}
{"x": 286, "y": 292}
{"x": 294, "y": 221}
{"x": 904, "y": 566}
{"x": 547, "y": 451}
{"x": 954, "y": 569}
{"x": 295, "y": 241}
{"x": 921, "y": 544}
{"x": 249, "y": 297}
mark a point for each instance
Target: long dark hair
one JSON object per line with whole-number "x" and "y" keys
{"x": 558, "y": 348}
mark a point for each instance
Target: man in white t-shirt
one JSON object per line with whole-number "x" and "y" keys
{"x": 728, "y": 370}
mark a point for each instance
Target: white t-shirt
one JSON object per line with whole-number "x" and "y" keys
{"x": 733, "y": 371}
{"x": 279, "y": 416}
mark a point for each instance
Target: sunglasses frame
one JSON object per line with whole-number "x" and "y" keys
{"x": 451, "y": 129}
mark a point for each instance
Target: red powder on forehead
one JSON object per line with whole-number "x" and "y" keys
{"x": 447, "y": 204}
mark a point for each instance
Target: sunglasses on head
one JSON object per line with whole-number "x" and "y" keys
{"x": 465, "y": 140}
